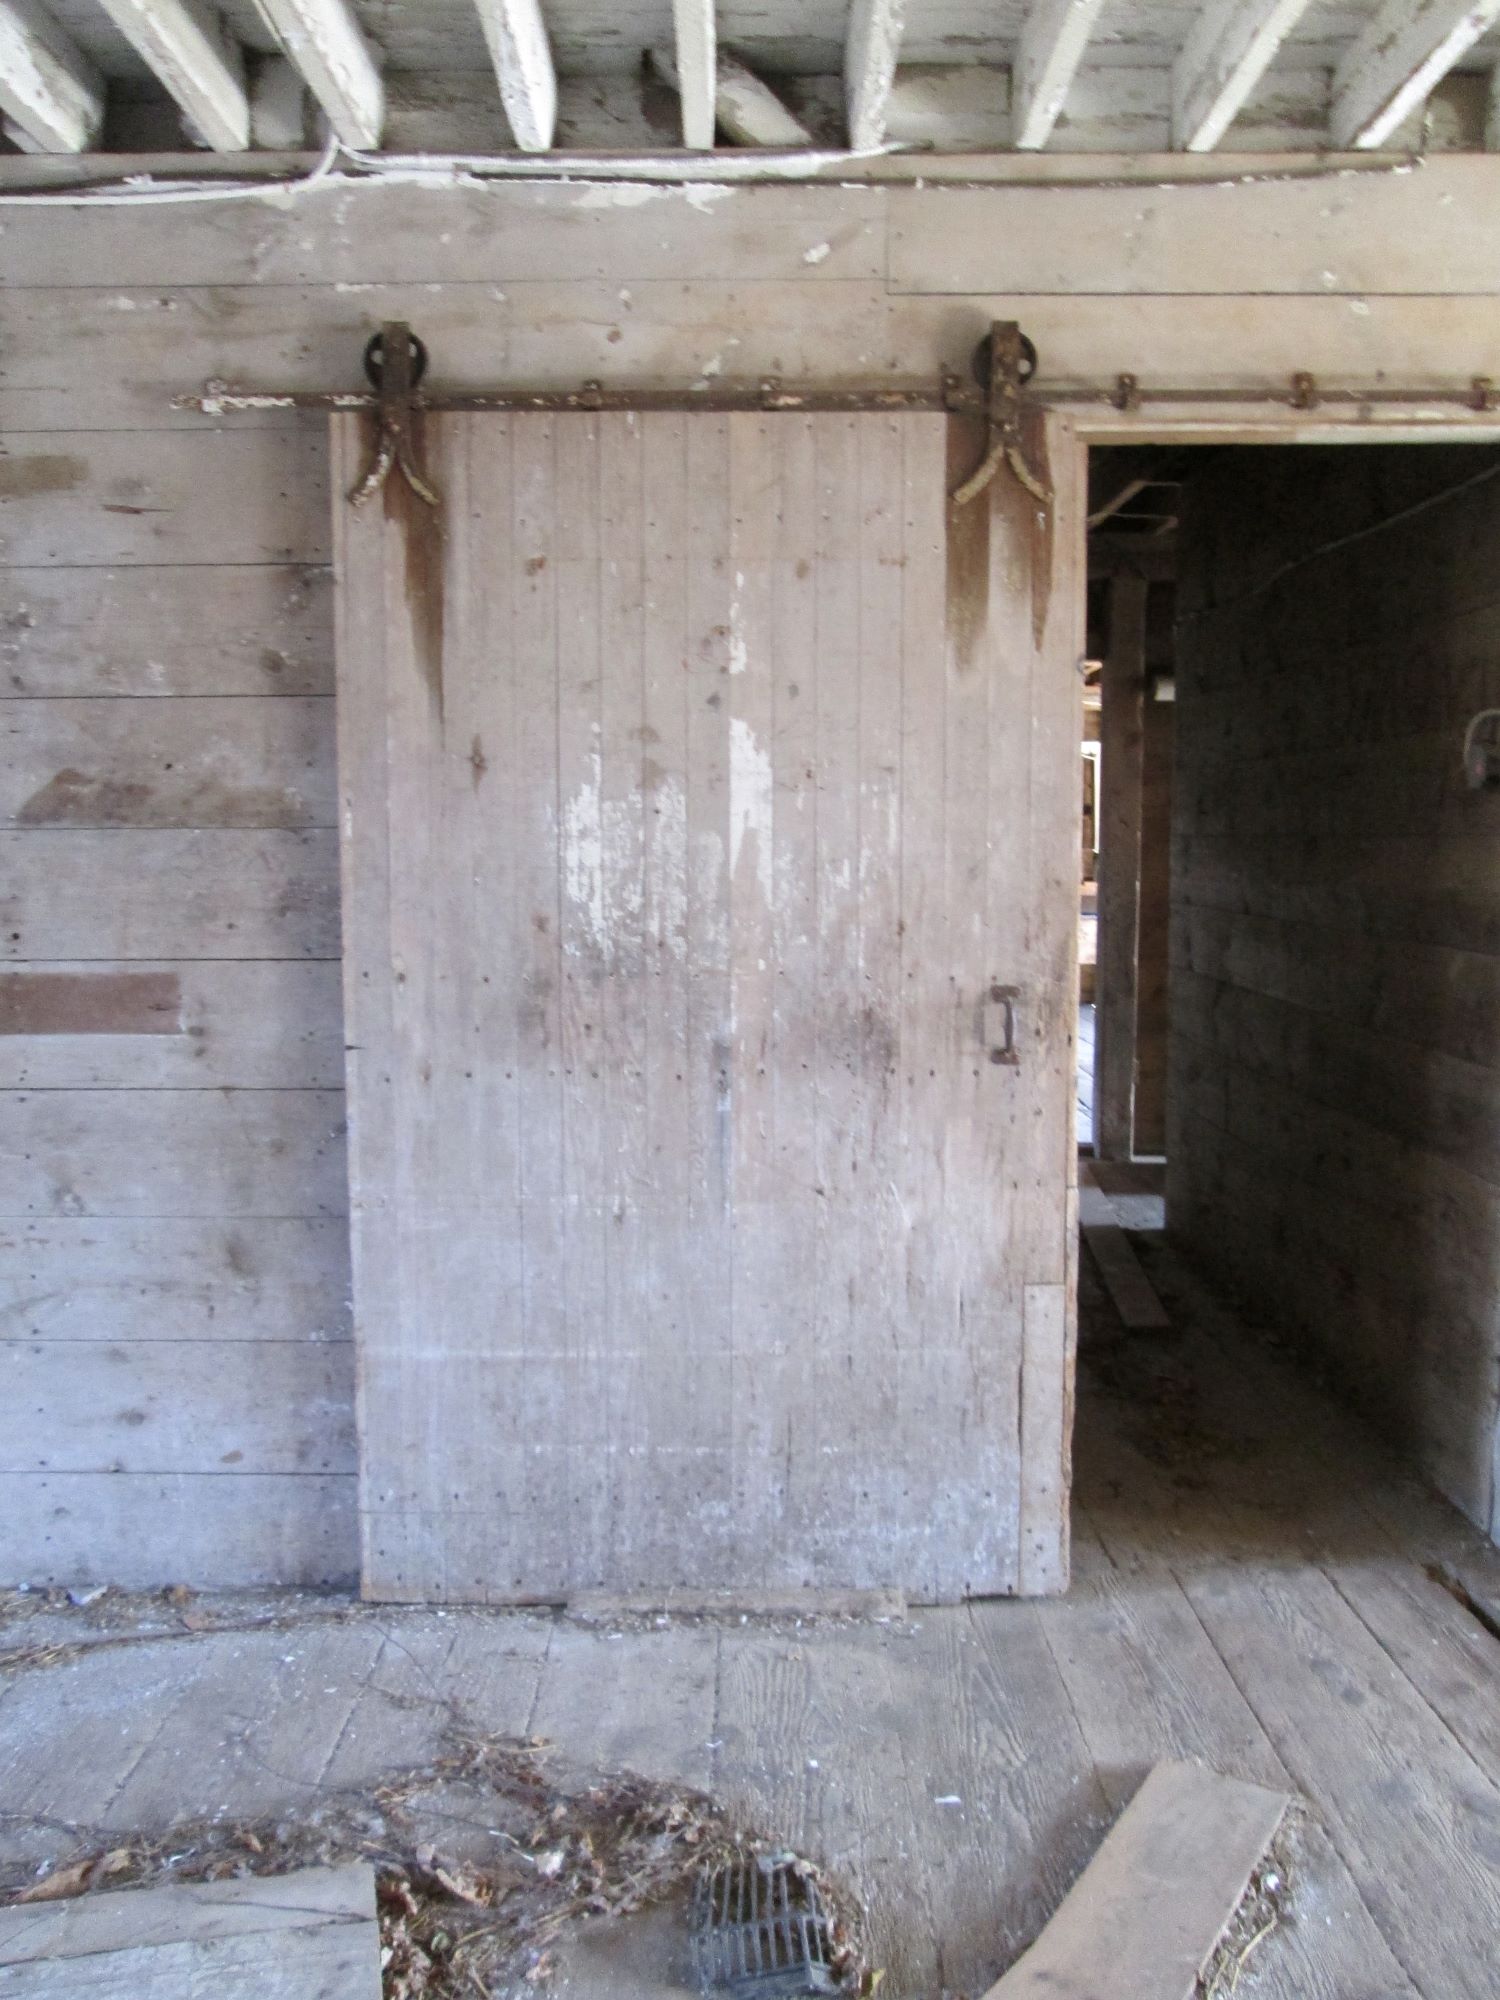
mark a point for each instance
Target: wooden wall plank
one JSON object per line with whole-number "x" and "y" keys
{"x": 41, "y": 1005}
{"x": 207, "y": 496}
{"x": 262, "y": 1406}
{"x": 251, "y": 1278}
{"x": 1390, "y": 232}
{"x": 220, "y": 762}
{"x": 670, "y": 332}
{"x": 143, "y": 631}
{"x": 86, "y": 894}
{"x": 1188, "y": 238}
{"x": 166, "y": 341}
{"x": 461, "y": 233}
{"x": 254, "y": 1024}
{"x": 172, "y": 1153}
{"x": 206, "y": 1530}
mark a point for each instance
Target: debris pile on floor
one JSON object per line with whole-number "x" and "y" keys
{"x": 483, "y": 1860}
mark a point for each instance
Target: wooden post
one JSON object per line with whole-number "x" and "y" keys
{"x": 1121, "y": 735}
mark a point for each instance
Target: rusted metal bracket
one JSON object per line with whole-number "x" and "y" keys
{"x": 1006, "y": 361}
{"x": 395, "y": 361}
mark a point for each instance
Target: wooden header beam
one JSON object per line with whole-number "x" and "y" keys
{"x": 47, "y": 84}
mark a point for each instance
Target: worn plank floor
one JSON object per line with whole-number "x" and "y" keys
{"x": 1255, "y": 1586}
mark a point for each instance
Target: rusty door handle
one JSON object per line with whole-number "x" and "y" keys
{"x": 1000, "y": 1025}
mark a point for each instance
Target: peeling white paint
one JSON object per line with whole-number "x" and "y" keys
{"x": 619, "y": 194}
{"x": 739, "y": 657}
{"x": 750, "y": 802}
{"x": 669, "y": 844}
{"x": 583, "y": 857}
{"x": 817, "y": 253}
{"x": 702, "y": 195}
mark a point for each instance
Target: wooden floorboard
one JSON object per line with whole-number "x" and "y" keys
{"x": 1251, "y": 1589}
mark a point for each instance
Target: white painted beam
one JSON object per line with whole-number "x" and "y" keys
{"x": 872, "y": 44}
{"x": 48, "y": 86}
{"x": 697, "y": 70}
{"x": 522, "y": 55}
{"x": 745, "y": 109}
{"x": 1051, "y": 47}
{"x": 1389, "y": 70}
{"x": 198, "y": 61}
{"x": 1227, "y": 51}
{"x": 327, "y": 45}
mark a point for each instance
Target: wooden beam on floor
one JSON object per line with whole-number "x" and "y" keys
{"x": 268, "y": 1937}
{"x": 1227, "y": 51}
{"x": 522, "y": 55}
{"x": 1389, "y": 69}
{"x": 1051, "y": 48}
{"x": 1143, "y": 1920}
{"x": 48, "y": 86}
{"x": 1122, "y": 742}
{"x": 872, "y": 45}
{"x": 1131, "y": 1292}
{"x": 196, "y": 59}
{"x": 696, "y": 70}
{"x": 327, "y": 46}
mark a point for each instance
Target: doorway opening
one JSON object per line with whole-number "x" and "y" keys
{"x": 1295, "y": 1039}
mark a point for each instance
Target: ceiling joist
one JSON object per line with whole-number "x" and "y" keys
{"x": 746, "y": 111}
{"x": 697, "y": 70}
{"x": 1051, "y": 48}
{"x": 872, "y": 44}
{"x": 1388, "y": 71}
{"x": 196, "y": 60}
{"x": 1228, "y": 49}
{"x": 48, "y": 86}
{"x": 327, "y": 46}
{"x": 522, "y": 55}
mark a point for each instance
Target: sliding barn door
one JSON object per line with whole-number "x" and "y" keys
{"x": 710, "y": 847}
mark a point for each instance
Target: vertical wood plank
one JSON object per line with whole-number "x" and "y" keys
{"x": 1121, "y": 738}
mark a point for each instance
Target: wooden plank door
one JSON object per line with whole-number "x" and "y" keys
{"x": 709, "y": 821}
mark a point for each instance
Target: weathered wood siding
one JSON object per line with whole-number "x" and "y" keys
{"x": 165, "y": 602}
{"x": 1335, "y": 1142}
{"x": 699, "y": 782}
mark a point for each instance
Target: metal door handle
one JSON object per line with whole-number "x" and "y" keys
{"x": 1000, "y": 1025}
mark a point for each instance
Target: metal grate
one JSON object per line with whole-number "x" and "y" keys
{"x": 759, "y": 1929}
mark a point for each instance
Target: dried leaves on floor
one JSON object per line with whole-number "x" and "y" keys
{"x": 483, "y": 1858}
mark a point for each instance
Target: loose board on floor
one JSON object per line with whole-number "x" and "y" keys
{"x": 1143, "y": 1919}
{"x": 308, "y": 1936}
